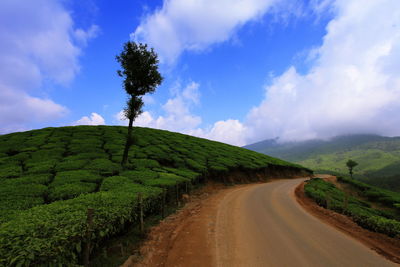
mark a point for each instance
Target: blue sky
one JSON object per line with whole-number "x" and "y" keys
{"x": 235, "y": 71}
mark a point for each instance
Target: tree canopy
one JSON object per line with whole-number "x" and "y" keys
{"x": 139, "y": 69}
{"x": 350, "y": 165}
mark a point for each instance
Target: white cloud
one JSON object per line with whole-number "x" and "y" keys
{"x": 83, "y": 36}
{"x": 352, "y": 87}
{"x": 178, "y": 117}
{"x": 94, "y": 119}
{"x": 229, "y": 131}
{"x": 195, "y": 25}
{"x": 177, "y": 111}
{"x": 38, "y": 43}
{"x": 18, "y": 109}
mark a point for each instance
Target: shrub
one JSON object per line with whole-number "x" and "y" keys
{"x": 10, "y": 171}
{"x": 114, "y": 182}
{"x": 48, "y": 154}
{"x": 184, "y": 173}
{"x": 87, "y": 156}
{"x": 70, "y": 165}
{"x": 43, "y": 178}
{"x": 68, "y": 177}
{"x": 103, "y": 166}
{"x": 165, "y": 180}
{"x": 325, "y": 193}
{"x": 40, "y": 167}
{"x": 139, "y": 176}
{"x": 86, "y": 148}
{"x": 70, "y": 190}
{"x": 194, "y": 165}
{"x": 144, "y": 163}
{"x": 53, "y": 234}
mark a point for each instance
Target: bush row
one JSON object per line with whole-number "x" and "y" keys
{"x": 327, "y": 195}
{"x": 373, "y": 193}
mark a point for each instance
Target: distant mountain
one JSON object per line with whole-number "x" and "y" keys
{"x": 378, "y": 156}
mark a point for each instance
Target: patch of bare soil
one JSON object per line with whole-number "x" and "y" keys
{"x": 382, "y": 244}
{"x": 168, "y": 243}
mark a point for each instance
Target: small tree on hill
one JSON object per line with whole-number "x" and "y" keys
{"x": 141, "y": 76}
{"x": 350, "y": 165}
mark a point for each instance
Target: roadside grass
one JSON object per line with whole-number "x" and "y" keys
{"x": 50, "y": 177}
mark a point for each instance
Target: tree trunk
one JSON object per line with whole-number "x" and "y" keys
{"x": 128, "y": 143}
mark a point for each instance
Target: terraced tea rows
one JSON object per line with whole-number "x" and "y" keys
{"x": 50, "y": 177}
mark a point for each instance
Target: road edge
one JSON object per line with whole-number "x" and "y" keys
{"x": 383, "y": 245}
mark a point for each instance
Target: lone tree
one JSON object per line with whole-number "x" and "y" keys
{"x": 350, "y": 165}
{"x": 140, "y": 72}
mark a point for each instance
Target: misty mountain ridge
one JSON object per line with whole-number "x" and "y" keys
{"x": 378, "y": 156}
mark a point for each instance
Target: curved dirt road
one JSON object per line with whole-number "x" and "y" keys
{"x": 263, "y": 225}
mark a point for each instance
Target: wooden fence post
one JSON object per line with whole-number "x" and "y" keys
{"x": 164, "y": 193}
{"x": 177, "y": 194}
{"x": 328, "y": 200}
{"x": 141, "y": 212}
{"x": 89, "y": 223}
{"x": 346, "y": 201}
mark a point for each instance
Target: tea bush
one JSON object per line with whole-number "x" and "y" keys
{"x": 328, "y": 196}
{"x": 71, "y": 169}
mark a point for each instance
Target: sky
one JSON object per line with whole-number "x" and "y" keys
{"x": 235, "y": 71}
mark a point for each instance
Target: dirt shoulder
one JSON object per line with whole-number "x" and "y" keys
{"x": 382, "y": 244}
{"x": 168, "y": 243}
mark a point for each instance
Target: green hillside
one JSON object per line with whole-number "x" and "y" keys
{"x": 370, "y": 207}
{"x": 378, "y": 156}
{"x": 50, "y": 177}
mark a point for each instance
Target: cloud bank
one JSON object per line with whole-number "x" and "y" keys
{"x": 38, "y": 44}
{"x": 94, "y": 119}
{"x": 353, "y": 85}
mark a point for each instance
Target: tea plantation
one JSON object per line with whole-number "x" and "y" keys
{"x": 370, "y": 207}
{"x": 50, "y": 177}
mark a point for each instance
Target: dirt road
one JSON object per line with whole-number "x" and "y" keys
{"x": 263, "y": 225}
{"x": 250, "y": 226}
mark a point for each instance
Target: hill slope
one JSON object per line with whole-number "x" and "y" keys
{"x": 378, "y": 156}
{"x": 50, "y": 177}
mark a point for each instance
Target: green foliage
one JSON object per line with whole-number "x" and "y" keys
{"x": 144, "y": 164}
{"x": 87, "y": 156}
{"x": 20, "y": 194}
{"x": 114, "y": 182}
{"x": 378, "y": 156}
{"x": 10, "y": 171}
{"x": 68, "y": 165}
{"x": 40, "y": 167}
{"x": 69, "y": 177}
{"x": 70, "y": 190}
{"x": 328, "y": 196}
{"x": 139, "y": 176}
{"x": 141, "y": 76}
{"x": 184, "y": 173}
{"x": 385, "y": 197}
{"x": 165, "y": 180}
{"x": 196, "y": 165}
{"x": 71, "y": 169}
{"x": 52, "y": 234}
{"x": 103, "y": 166}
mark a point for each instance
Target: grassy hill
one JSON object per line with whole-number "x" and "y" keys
{"x": 378, "y": 156}
{"x": 50, "y": 177}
